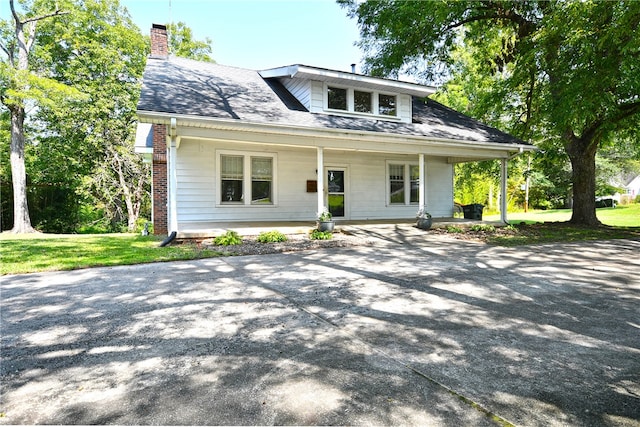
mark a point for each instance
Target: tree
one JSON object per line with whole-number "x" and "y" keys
{"x": 19, "y": 85}
{"x": 181, "y": 43}
{"x": 560, "y": 72}
{"x": 95, "y": 51}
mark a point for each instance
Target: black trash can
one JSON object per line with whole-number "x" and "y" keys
{"x": 473, "y": 211}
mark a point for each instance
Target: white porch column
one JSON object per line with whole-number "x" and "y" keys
{"x": 422, "y": 198}
{"x": 173, "y": 178}
{"x": 503, "y": 190}
{"x": 320, "y": 186}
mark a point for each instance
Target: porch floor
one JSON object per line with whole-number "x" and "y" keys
{"x": 202, "y": 230}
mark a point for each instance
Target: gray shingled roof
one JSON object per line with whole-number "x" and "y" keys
{"x": 182, "y": 86}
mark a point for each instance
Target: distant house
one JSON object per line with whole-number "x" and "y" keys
{"x": 233, "y": 145}
{"x": 633, "y": 187}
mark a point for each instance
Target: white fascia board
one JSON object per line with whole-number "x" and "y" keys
{"x": 337, "y": 77}
{"x": 318, "y": 135}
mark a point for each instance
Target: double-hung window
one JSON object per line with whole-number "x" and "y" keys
{"x": 261, "y": 180}
{"x": 246, "y": 179}
{"x": 232, "y": 179}
{"x": 404, "y": 183}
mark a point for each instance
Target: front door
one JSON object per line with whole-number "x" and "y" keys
{"x": 336, "y": 191}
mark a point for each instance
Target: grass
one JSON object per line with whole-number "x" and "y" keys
{"x": 44, "y": 252}
{"x": 621, "y": 216}
{"x": 622, "y": 222}
{"x": 525, "y": 234}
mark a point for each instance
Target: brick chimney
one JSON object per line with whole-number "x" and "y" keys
{"x": 159, "y": 189}
{"x": 159, "y": 41}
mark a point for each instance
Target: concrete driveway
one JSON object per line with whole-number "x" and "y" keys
{"x": 410, "y": 331}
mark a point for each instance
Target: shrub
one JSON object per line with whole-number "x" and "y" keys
{"x": 454, "y": 229}
{"x": 483, "y": 227}
{"x": 271, "y": 237}
{"x": 321, "y": 235}
{"x": 227, "y": 239}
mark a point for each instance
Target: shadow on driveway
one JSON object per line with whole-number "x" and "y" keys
{"x": 414, "y": 330}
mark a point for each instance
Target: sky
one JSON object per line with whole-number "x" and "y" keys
{"x": 261, "y": 34}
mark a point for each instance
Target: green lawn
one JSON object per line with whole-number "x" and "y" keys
{"x": 44, "y": 252}
{"x": 621, "y": 216}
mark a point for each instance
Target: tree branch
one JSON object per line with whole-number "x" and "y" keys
{"x": 525, "y": 26}
{"x": 13, "y": 11}
{"x": 6, "y": 50}
{"x": 16, "y": 17}
{"x": 45, "y": 16}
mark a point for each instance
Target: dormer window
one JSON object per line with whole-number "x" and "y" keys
{"x": 336, "y": 98}
{"x": 361, "y": 102}
{"x": 387, "y": 105}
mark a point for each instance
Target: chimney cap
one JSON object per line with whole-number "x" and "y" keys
{"x": 159, "y": 26}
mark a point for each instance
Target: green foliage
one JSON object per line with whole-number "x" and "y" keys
{"x": 83, "y": 74}
{"x": 228, "y": 239}
{"x": 271, "y": 237}
{"x": 320, "y": 235}
{"x": 454, "y": 229}
{"x": 181, "y": 43}
{"x": 563, "y": 74}
{"x": 484, "y": 228}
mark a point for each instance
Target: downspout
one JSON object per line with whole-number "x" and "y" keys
{"x": 173, "y": 183}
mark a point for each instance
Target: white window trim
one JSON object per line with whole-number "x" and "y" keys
{"x": 246, "y": 179}
{"x": 350, "y": 111}
{"x": 407, "y": 183}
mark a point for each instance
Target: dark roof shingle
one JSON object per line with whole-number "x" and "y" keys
{"x": 182, "y": 86}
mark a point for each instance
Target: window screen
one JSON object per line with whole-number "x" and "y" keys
{"x": 231, "y": 174}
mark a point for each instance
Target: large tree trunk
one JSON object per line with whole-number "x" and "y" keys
{"x": 582, "y": 153}
{"x": 21, "y": 219}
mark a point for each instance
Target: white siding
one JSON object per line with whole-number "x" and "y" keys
{"x": 301, "y": 89}
{"x": 317, "y": 97}
{"x": 366, "y": 172}
{"x": 439, "y": 188}
{"x": 405, "y": 108}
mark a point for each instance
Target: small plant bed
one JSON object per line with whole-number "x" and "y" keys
{"x": 266, "y": 243}
{"x": 526, "y": 234}
{"x": 272, "y": 237}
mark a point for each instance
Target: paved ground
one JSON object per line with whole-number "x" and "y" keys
{"x": 410, "y": 331}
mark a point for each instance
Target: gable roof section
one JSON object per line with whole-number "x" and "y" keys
{"x": 178, "y": 86}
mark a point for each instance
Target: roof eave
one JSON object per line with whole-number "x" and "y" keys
{"x": 320, "y": 74}
{"x": 360, "y": 135}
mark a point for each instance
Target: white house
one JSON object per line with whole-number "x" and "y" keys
{"x": 633, "y": 187}
{"x": 232, "y": 145}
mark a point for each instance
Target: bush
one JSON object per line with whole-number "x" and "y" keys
{"x": 483, "y": 227}
{"x": 271, "y": 237}
{"x": 321, "y": 235}
{"x": 454, "y": 229}
{"x": 227, "y": 239}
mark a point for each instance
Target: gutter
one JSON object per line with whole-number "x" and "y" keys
{"x": 279, "y": 129}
